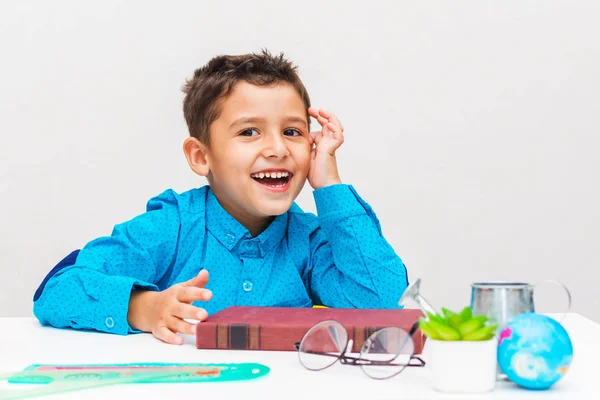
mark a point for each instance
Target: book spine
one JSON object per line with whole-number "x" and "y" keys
{"x": 247, "y": 337}
{"x": 238, "y": 336}
{"x": 276, "y": 338}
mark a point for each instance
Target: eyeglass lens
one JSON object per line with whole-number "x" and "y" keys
{"x": 323, "y": 345}
{"x": 387, "y": 352}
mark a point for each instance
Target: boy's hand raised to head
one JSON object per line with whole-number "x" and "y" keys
{"x": 323, "y": 165}
{"x": 163, "y": 313}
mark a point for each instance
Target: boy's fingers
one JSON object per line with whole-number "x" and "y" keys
{"x": 163, "y": 333}
{"x": 192, "y": 293}
{"x": 335, "y": 131}
{"x": 317, "y": 136}
{"x": 322, "y": 121}
{"x": 181, "y": 326}
{"x": 199, "y": 280}
{"x": 325, "y": 113}
{"x": 323, "y": 117}
{"x": 326, "y": 129}
{"x": 189, "y": 311}
{"x": 334, "y": 120}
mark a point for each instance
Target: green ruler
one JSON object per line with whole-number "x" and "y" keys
{"x": 44, "y": 379}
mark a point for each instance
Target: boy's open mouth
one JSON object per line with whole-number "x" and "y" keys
{"x": 275, "y": 179}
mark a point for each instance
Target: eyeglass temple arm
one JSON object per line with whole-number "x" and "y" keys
{"x": 413, "y": 329}
{"x": 341, "y": 355}
{"x": 420, "y": 362}
{"x": 345, "y": 359}
{"x": 297, "y": 346}
{"x": 359, "y": 361}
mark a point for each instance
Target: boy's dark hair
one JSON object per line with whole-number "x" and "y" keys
{"x": 215, "y": 80}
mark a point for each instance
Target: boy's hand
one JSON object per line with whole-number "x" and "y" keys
{"x": 323, "y": 165}
{"x": 163, "y": 313}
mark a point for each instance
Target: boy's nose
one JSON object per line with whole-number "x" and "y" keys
{"x": 276, "y": 147}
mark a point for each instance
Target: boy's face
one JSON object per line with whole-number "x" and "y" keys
{"x": 261, "y": 130}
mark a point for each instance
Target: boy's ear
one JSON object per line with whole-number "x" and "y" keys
{"x": 196, "y": 155}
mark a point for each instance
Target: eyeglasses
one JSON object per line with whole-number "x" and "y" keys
{"x": 383, "y": 355}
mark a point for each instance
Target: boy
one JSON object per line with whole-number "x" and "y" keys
{"x": 248, "y": 118}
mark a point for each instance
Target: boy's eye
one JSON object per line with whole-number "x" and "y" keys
{"x": 292, "y": 132}
{"x": 249, "y": 132}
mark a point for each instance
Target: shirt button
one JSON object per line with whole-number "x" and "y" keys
{"x": 230, "y": 237}
{"x": 110, "y": 323}
{"x": 247, "y": 286}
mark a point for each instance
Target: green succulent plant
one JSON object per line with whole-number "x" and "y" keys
{"x": 452, "y": 326}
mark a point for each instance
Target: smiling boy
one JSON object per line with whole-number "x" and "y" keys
{"x": 248, "y": 118}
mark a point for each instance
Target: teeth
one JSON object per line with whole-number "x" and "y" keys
{"x": 262, "y": 175}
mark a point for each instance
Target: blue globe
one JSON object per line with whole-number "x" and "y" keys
{"x": 534, "y": 351}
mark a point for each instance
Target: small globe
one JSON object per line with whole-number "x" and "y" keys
{"x": 534, "y": 351}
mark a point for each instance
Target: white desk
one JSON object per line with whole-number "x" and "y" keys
{"x": 23, "y": 342}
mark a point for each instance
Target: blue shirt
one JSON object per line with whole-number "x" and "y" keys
{"x": 338, "y": 259}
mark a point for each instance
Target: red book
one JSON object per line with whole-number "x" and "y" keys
{"x": 279, "y": 328}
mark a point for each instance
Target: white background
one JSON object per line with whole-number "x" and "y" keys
{"x": 471, "y": 127}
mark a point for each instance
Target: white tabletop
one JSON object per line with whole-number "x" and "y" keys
{"x": 23, "y": 342}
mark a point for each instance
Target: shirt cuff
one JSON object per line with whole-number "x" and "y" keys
{"x": 113, "y": 297}
{"x": 337, "y": 202}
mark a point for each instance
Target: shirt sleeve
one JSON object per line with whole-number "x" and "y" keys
{"x": 94, "y": 292}
{"x": 352, "y": 264}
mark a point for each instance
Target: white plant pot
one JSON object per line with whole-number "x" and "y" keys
{"x": 463, "y": 366}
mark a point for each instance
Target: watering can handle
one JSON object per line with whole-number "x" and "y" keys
{"x": 562, "y": 285}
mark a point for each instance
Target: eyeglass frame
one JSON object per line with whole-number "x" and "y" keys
{"x": 343, "y": 358}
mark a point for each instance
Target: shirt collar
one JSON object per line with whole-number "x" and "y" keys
{"x": 230, "y": 232}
